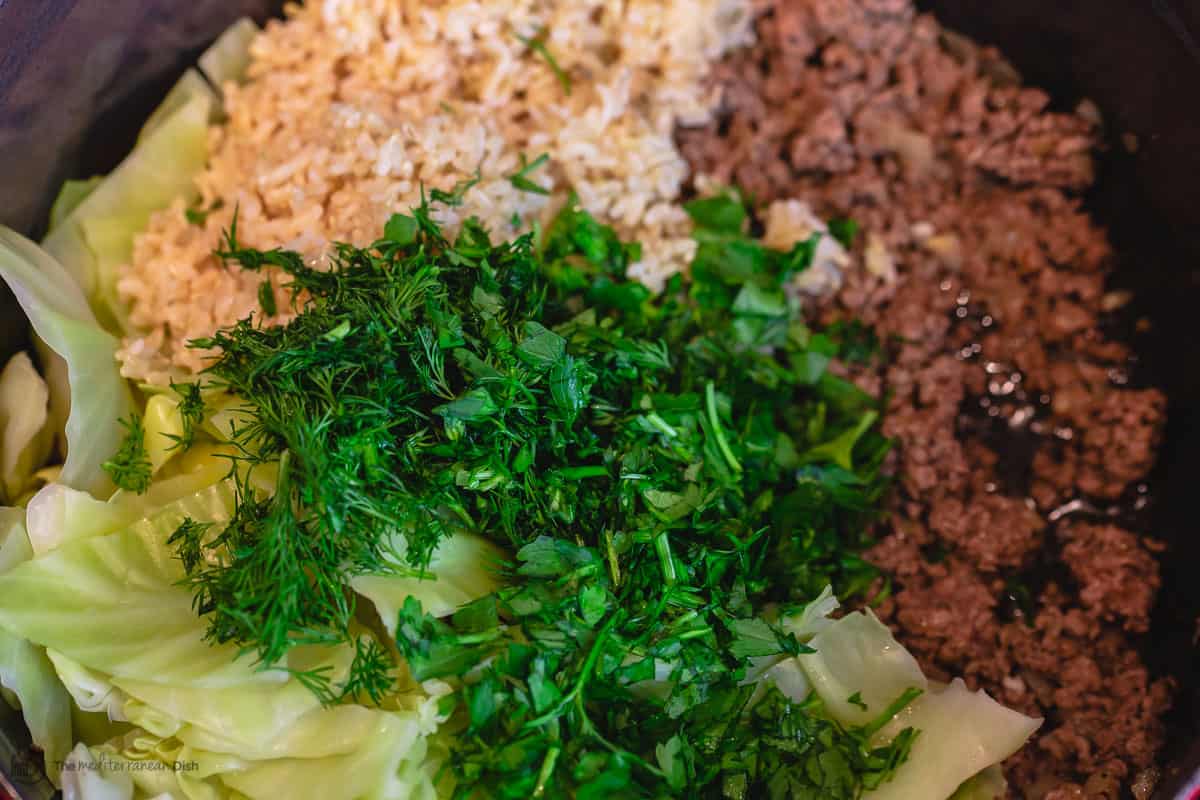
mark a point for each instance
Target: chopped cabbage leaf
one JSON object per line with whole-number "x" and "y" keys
{"x": 229, "y": 56}
{"x": 58, "y": 381}
{"x": 70, "y": 196}
{"x": 15, "y": 547}
{"x": 987, "y": 785}
{"x": 251, "y": 722}
{"x": 110, "y": 242}
{"x": 815, "y": 616}
{"x": 199, "y": 468}
{"x": 961, "y": 733}
{"x": 25, "y": 437}
{"x": 91, "y": 691}
{"x": 857, "y": 655}
{"x": 84, "y": 780}
{"x": 60, "y": 315}
{"x": 24, "y": 668}
{"x": 27, "y": 673}
{"x": 188, "y": 87}
{"x": 463, "y": 568}
{"x": 114, "y": 604}
{"x": 58, "y": 514}
{"x": 389, "y": 763}
{"x": 160, "y": 168}
{"x": 162, "y": 421}
{"x": 379, "y": 754}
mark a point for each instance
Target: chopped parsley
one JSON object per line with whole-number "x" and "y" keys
{"x": 844, "y": 230}
{"x": 671, "y": 473}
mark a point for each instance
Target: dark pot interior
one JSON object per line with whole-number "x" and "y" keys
{"x": 77, "y": 78}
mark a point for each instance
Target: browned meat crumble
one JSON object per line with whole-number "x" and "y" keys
{"x": 969, "y": 184}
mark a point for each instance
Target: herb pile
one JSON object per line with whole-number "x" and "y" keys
{"x": 673, "y": 473}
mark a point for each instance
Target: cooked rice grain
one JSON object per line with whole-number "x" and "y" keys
{"x": 352, "y": 105}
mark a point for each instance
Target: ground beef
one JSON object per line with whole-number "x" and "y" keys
{"x": 967, "y": 184}
{"x": 1116, "y": 574}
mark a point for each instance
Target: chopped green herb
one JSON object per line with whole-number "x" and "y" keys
{"x": 266, "y": 298}
{"x": 198, "y": 216}
{"x": 520, "y": 179}
{"x": 130, "y": 467}
{"x": 188, "y": 540}
{"x": 191, "y": 412}
{"x": 537, "y": 43}
{"x": 455, "y": 196}
{"x": 661, "y": 467}
{"x": 844, "y": 230}
{"x": 371, "y": 673}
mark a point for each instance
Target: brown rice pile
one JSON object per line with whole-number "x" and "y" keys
{"x": 352, "y": 105}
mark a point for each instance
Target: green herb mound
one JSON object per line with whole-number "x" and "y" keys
{"x": 671, "y": 473}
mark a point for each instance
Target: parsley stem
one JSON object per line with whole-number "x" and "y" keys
{"x": 610, "y": 552}
{"x": 578, "y": 473}
{"x": 585, "y": 673}
{"x": 900, "y": 703}
{"x": 590, "y": 729}
{"x": 546, "y": 771}
{"x": 710, "y": 396}
{"x": 661, "y": 425}
{"x": 662, "y": 546}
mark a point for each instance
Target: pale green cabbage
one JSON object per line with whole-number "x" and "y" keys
{"x": 82, "y": 781}
{"x": 95, "y": 221}
{"x": 190, "y": 86}
{"x": 59, "y": 514}
{"x": 858, "y": 655}
{"x": 58, "y": 380}
{"x": 70, "y": 196}
{"x": 229, "y": 56}
{"x": 24, "y": 669}
{"x": 25, "y": 436}
{"x": 161, "y": 422}
{"x": 463, "y": 568}
{"x": 112, "y": 602}
{"x": 961, "y": 734}
{"x": 987, "y": 785}
{"x": 60, "y": 316}
{"x": 97, "y": 236}
{"x": 386, "y": 755}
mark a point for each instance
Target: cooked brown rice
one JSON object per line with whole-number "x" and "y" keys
{"x": 352, "y": 105}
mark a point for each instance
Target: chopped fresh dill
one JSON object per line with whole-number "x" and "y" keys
{"x": 370, "y": 673}
{"x": 455, "y": 196}
{"x": 130, "y": 467}
{"x": 671, "y": 472}
{"x": 198, "y": 216}
{"x": 520, "y": 178}
{"x": 537, "y": 43}
{"x": 191, "y": 413}
{"x": 266, "y": 298}
{"x": 188, "y": 540}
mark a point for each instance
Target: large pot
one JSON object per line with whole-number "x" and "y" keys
{"x": 78, "y": 76}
